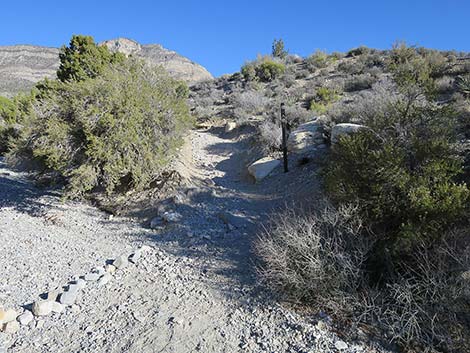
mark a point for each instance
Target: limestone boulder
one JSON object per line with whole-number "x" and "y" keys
{"x": 306, "y": 137}
{"x": 344, "y": 129}
{"x": 263, "y": 167}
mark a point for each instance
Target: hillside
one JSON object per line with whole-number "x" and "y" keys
{"x": 21, "y": 66}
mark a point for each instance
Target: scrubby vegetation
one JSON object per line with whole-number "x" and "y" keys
{"x": 110, "y": 125}
{"x": 390, "y": 249}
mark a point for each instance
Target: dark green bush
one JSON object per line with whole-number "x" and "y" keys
{"x": 323, "y": 98}
{"x": 403, "y": 174}
{"x": 265, "y": 69}
{"x": 317, "y": 60}
{"x": 278, "y": 49}
{"x": 83, "y": 59}
{"x": 12, "y": 114}
{"x": 112, "y": 133}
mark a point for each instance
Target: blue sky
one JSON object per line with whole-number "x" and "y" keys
{"x": 222, "y": 35}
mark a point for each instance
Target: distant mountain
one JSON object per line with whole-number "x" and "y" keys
{"x": 21, "y": 66}
{"x": 178, "y": 66}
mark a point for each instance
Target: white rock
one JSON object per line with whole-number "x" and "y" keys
{"x": 68, "y": 298}
{"x": 145, "y": 248}
{"x": 171, "y": 217}
{"x": 75, "y": 308}
{"x": 263, "y": 167}
{"x": 110, "y": 268}
{"x": 344, "y": 129}
{"x": 39, "y": 323}
{"x": 42, "y": 308}
{"x": 121, "y": 262}
{"x": 7, "y": 316}
{"x": 104, "y": 279}
{"x": 230, "y": 126}
{"x": 52, "y": 295}
{"x": 306, "y": 137}
{"x": 135, "y": 256}
{"x": 80, "y": 283}
{"x": 156, "y": 223}
{"x": 57, "y": 307}
{"x": 11, "y": 327}
{"x": 26, "y": 318}
{"x": 341, "y": 345}
{"x": 92, "y": 277}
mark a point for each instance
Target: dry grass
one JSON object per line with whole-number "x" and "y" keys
{"x": 319, "y": 259}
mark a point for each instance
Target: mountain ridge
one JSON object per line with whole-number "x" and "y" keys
{"x": 23, "y": 65}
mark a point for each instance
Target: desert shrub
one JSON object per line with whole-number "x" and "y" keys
{"x": 278, "y": 49}
{"x": 351, "y": 66}
{"x": 83, "y": 59}
{"x": 249, "y": 103}
{"x": 359, "y": 82}
{"x": 315, "y": 258}
{"x": 362, "y": 50}
{"x": 463, "y": 84}
{"x": 7, "y": 119}
{"x": 403, "y": 172}
{"x": 269, "y": 136}
{"x": 264, "y": 69}
{"x": 112, "y": 133}
{"x": 12, "y": 114}
{"x": 320, "y": 258}
{"x": 323, "y": 98}
{"x": 411, "y": 70}
{"x": 317, "y": 60}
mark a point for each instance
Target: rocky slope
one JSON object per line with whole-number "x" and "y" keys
{"x": 21, "y": 66}
{"x": 178, "y": 66}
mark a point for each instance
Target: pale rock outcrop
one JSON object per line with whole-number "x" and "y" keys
{"x": 344, "y": 129}
{"x": 306, "y": 137}
{"x": 263, "y": 167}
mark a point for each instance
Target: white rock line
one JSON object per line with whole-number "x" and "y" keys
{"x": 57, "y": 300}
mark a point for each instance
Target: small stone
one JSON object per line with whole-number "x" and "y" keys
{"x": 52, "y": 295}
{"x": 26, "y": 318}
{"x": 135, "y": 256}
{"x": 104, "y": 279}
{"x": 39, "y": 324}
{"x": 68, "y": 298}
{"x": 145, "y": 248}
{"x": 80, "y": 283}
{"x": 171, "y": 217}
{"x": 74, "y": 288}
{"x": 11, "y": 327}
{"x": 121, "y": 262}
{"x": 57, "y": 307}
{"x": 7, "y": 316}
{"x": 230, "y": 126}
{"x": 341, "y": 345}
{"x": 156, "y": 223}
{"x": 92, "y": 277}
{"x": 75, "y": 308}
{"x": 42, "y": 308}
{"x": 99, "y": 270}
{"x": 110, "y": 268}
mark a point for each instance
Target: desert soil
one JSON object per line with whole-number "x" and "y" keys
{"x": 195, "y": 289}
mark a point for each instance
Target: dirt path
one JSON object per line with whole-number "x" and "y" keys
{"x": 194, "y": 290}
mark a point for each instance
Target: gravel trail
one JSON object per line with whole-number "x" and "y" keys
{"x": 193, "y": 290}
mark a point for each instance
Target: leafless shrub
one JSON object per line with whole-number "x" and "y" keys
{"x": 351, "y": 66}
{"x": 368, "y": 104}
{"x": 250, "y": 101}
{"x": 320, "y": 258}
{"x": 359, "y": 82}
{"x": 315, "y": 258}
{"x": 270, "y": 136}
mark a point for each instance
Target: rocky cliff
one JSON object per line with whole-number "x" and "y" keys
{"x": 21, "y": 66}
{"x": 178, "y": 66}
